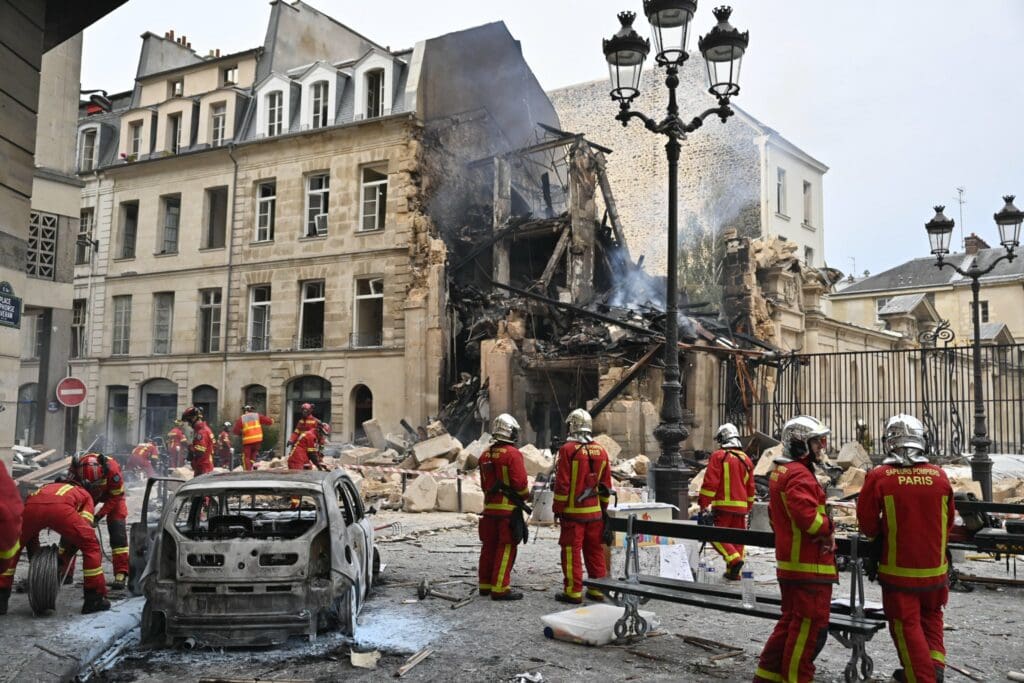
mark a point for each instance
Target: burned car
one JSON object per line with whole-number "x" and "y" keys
{"x": 252, "y": 558}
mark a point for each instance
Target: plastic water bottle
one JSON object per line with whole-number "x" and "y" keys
{"x": 702, "y": 571}
{"x": 747, "y": 588}
{"x": 711, "y": 578}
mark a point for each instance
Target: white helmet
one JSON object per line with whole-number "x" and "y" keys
{"x": 505, "y": 428}
{"x": 580, "y": 425}
{"x": 728, "y": 436}
{"x": 906, "y": 442}
{"x": 797, "y": 433}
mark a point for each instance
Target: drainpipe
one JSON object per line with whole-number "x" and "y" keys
{"x": 94, "y": 255}
{"x": 227, "y": 288}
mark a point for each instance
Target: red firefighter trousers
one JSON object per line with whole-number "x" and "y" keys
{"x": 73, "y": 528}
{"x": 581, "y": 539}
{"x": 915, "y": 624}
{"x": 732, "y": 554}
{"x": 117, "y": 536}
{"x": 250, "y": 452}
{"x": 799, "y": 635}
{"x": 10, "y": 546}
{"x": 497, "y": 554}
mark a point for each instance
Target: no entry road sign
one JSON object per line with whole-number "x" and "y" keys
{"x": 71, "y": 392}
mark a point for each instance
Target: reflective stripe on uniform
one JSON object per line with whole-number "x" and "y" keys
{"x": 904, "y": 651}
{"x": 8, "y": 572}
{"x": 819, "y": 519}
{"x": 721, "y": 550}
{"x": 502, "y": 586}
{"x": 798, "y": 650}
{"x": 708, "y": 492}
{"x": 768, "y": 675}
{"x": 938, "y": 656}
{"x": 890, "y": 567}
{"x": 118, "y": 491}
{"x": 569, "y": 580}
{"x": 86, "y": 515}
{"x": 64, "y": 489}
{"x": 119, "y": 551}
{"x": 98, "y": 571}
{"x": 10, "y": 552}
{"x": 794, "y": 564}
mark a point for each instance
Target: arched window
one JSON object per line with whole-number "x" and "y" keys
{"x": 307, "y": 389}
{"x": 28, "y": 409}
{"x": 362, "y": 409}
{"x": 255, "y": 395}
{"x": 204, "y": 397}
{"x": 158, "y": 408}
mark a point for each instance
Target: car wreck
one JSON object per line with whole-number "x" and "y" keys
{"x": 253, "y": 558}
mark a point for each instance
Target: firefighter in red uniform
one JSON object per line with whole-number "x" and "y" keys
{"x": 250, "y": 427}
{"x": 503, "y": 479}
{"x": 728, "y": 489}
{"x": 907, "y": 503}
{"x": 102, "y": 478}
{"x": 307, "y": 420}
{"x": 201, "y": 450}
{"x": 583, "y": 484}
{"x": 175, "y": 444}
{"x": 305, "y": 454}
{"x": 144, "y": 458}
{"x": 64, "y": 507}
{"x": 10, "y": 533}
{"x": 804, "y": 554}
{"x": 225, "y": 451}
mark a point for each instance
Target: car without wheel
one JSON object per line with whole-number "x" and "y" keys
{"x": 253, "y": 558}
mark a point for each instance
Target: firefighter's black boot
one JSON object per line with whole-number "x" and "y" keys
{"x": 5, "y": 595}
{"x": 94, "y": 602}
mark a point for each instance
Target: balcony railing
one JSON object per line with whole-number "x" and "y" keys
{"x": 362, "y": 340}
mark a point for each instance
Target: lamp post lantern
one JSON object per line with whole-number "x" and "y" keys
{"x": 940, "y": 229}
{"x": 723, "y": 49}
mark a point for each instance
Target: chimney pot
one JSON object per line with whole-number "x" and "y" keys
{"x": 170, "y": 34}
{"x": 218, "y": 51}
{"x": 973, "y": 244}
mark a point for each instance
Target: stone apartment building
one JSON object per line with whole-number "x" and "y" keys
{"x": 262, "y": 224}
{"x": 741, "y": 175}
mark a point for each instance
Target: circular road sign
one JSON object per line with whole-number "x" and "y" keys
{"x": 71, "y": 392}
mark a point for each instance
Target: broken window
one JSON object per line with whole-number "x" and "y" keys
{"x": 218, "y": 123}
{"x": 87, "y": 154}
{"x": 175, "y": 88}
{"x": 171, "y": 223}
{"x": 368, "y": 323}
{"x": 809, "y": 256}
{"x": 266, "y": 207}
{"x": 265, "y": 514}
{"x": 78, "y": 328}
{"x": 255, "y": 395}
{"x": 216, "y": 217}
{"x": 209, "y": 320}
{"x": 780, "y": 192}
{"x": 163, "y": 321}
{"x": 122, "y": 325}
{"x": 321, "y": 92}
{"x": 259, "y": 318}
{"x": 229, "y": 75}
{"x": 311, "y": 315}
{"x": 374, "y": 200}
{"x": 129, "y": 228}
{"x": 42, "y": 245}
{"x": 374, "y": 93}
{"x": 275, "y": 108}
{"x": 318, "y": 194}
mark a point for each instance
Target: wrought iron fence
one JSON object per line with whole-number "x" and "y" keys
{"x": 856, "y": 392}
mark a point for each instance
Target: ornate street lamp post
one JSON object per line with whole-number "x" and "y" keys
{"x": 723, "y": 48}
{"x": 940, "y": 229}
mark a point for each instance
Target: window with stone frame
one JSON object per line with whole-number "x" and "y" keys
{"x": 83, "y": 245}
{"x": 209, "y": 320}
{"x": 266, "y": 208}
{"x": 311, "y": 315}
{"x": 373, "y": 200}
{"x": 42, "y": 245}
{"x": 171, "y": 220}
{"x": 87, "y": 151}
{"x": 368, "y": 316}
{"x": 808, "y": 204}
{"x": 121, "y": 342}
{"x": 173, "y": 133}
{"x": 215, "y": 230}
{"x": 134, "y": 139}
{"x": 259, "y": 318}
{"x": 129, "y": 228}
{"x": 984, "y": 311}
{"x": 318, "y": 195}
{"x": 163, "y": 322}
{"x": 78, "y": 317}
{"x": 780, "y": 191}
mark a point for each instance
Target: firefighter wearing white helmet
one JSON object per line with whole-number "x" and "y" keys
{"x": 804, "y": 555}
{"x": 907, "y": 503}
{"x": 502, "y": 527}
{"x": 583, "y": 484}
{"x": 728, "y": 489}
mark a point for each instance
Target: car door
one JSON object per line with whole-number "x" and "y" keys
{"x": 364, "y": 531}
{"x": 142, "y": 534}
{"x": 354, "y": 537}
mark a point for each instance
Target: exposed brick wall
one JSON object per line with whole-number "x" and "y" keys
{"x": 719, "y": 171}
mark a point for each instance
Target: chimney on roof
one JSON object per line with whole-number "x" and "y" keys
{"x": 973, "y": 244}
{"x": 170, "y": 34}
{"x": 217, "y": 51}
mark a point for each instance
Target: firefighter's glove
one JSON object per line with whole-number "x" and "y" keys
{"x": 705, "y": 518}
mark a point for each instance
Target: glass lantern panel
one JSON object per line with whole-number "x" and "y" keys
{"x": 670, "y": 30}
{"x": 724, "y": 74}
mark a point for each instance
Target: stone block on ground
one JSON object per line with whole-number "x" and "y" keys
{"x": 624, "y": 468}
{"x": 536, "y": 460}
{"x": 469, "y": 457}
{"x": 628, "y": 496}
{"x": 420, "y": 494}
{"x": 1006, "y": 489}
{"x": 433, "y": 465}
{"x": 184, "y": 472}
{"x": 448, "y": 497}
{"x": 610, "y": 446}
{"x": 375, "y": 434}
{"x": 398, "y": 442}
{"x": 359, "y": 455}
{"x": 435, "y": 429}
{"x": 766, "y": 463}
{"x": 966, "y": 485}
{"x": 382, "y": 458}
{"x": 641, "y": 465}
{"x": 851, "y": 481}
{"x": 408, "y": 464}
{"x": 852, "y": 454}
{"x": 436, "y": 447}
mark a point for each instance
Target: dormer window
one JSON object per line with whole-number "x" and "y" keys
{"x": 275, "y": 106}
{"x": 321, "y": 91}
{"x": 218, "y": 118}
{"x": 135, "y": 139}
{"x": 229, "y": 75}
{"x": 87, "y": 155}
{"x": 174, "y": 133}
{"x": 374, "y": 93}
{"x": 175, "y": 88}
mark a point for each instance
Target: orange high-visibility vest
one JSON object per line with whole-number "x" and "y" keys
{"x": 252, "y": 432}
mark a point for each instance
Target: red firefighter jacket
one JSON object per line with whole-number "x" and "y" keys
{"x": 302, "y": 451}
{"x": 10, "y": 513}
{"x": 503, "y": 463}
{"x": 146, "y": 451}
{"x": 202, "y": 448}
{"x": 581, "y": 468}
{"x": 62, "y": 493}
{"x": 912, "y": 509}
{"x": 303, "y": 426}
{"x": 111, "y": 491}
{"x": 175, "y": 438}
{"x": 728, "y": 482}
{"x": 250, "y": 427}
{"x": 803, "y": 531}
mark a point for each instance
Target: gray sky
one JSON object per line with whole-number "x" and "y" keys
{"x": 903, "y": 100}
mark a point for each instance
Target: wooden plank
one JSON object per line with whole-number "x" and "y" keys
{"x": 19, "y": 79}
{"x": 19, "y": 34}
{"x": 44, "y": 472}
{"x": 19, "y": 123}
{"x": 609, "y": 203}
{"x": 556, "y": 256}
